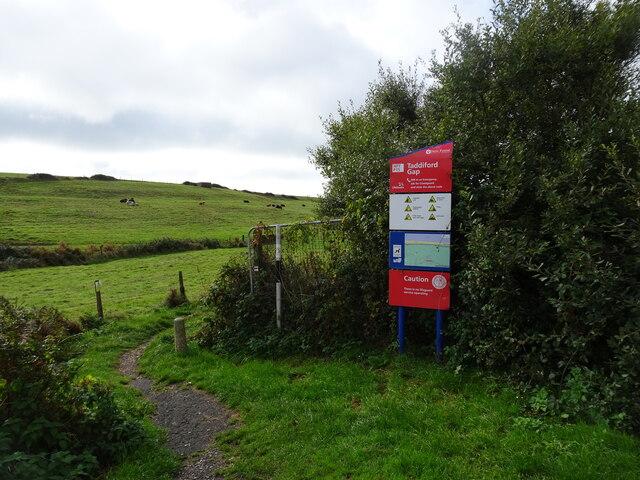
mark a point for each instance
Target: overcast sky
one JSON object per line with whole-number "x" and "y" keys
{"x": 224, "y": 91}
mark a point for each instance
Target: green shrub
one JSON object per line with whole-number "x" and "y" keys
{"x": 32, "y": 257}
{"x": 318, "y": 315}
{"x": 543, "y": 105}
{"x": 52, "y": 425}
{"x": 104, "y": 178}
{"x": 42, "y": 177}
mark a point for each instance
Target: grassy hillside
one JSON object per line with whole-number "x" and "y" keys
{"x": 84, "y": 212}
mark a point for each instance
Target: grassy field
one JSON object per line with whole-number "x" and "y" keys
{"x": 89, "y": 212}
{"x": 128, "y": 285}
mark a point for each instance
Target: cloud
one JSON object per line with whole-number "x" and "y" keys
{"x": 115, "y": 78}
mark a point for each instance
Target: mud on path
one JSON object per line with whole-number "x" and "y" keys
{"x": 191, "y": 417}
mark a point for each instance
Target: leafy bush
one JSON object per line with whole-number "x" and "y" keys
{"x": 42, "y": 177}
{"x": 543, "y": 106}
{"x": 104, "y": 178}
{"x": 51, "y": 425}
{"x": 317, "y": 315}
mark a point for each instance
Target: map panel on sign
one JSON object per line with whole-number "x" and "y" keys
{"x": 420, "y": 211}
{"x": 420, "y": 251}
{"x": 427, "y": 250}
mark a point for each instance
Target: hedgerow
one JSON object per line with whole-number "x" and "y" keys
{"x": 12, "y": 258}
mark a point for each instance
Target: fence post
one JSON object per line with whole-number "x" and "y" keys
{"x": 182, "y": 292}
{"x": 97, "y": 285}
{"x": 179, "y": 335}
{"x": 278, "y": 276}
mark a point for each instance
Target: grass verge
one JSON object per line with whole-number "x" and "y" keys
{"x": 321, "y": 418}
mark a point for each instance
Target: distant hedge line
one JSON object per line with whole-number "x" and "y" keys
{"x": 13, "y": 258}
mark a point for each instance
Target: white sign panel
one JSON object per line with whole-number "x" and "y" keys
{"x": 420, "y": 211}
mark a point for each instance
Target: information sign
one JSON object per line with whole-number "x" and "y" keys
{"x": 420, "y": 251}
{"x": 415, "y": 211}
{"x": 421, "y": 289}
{"x": 426, "y": 170}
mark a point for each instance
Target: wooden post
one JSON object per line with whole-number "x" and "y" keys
{"x": 179, "y": 335}
{"x": 97, "y": 285}
{"x": 182, "y": 292}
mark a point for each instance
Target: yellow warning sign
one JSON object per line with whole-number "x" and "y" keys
{"x": 432, "y": 199}
{"x": 408, "y": 200}
{"x": 432, "y": 217}
{"x": 408, "y": 209}
{"x": 408, "y": 217}
{"x": 432, "y": 208}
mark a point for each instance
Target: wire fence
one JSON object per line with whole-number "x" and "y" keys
{"x": 294, "y": 258}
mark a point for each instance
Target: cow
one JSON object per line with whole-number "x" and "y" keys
{"x": 201, "y": 203}
{"x": 279, "y": 206}
{"x": 124, "y": 200}
{"x": 303, "y": 205}
{"x": 246, "y": 201}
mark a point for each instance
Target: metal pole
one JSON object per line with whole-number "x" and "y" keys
{"x": 439, "y": 341}
{"x": 278, "y": 276}
{"x": 250, "y": 258}
{"x": 401, "y": 330}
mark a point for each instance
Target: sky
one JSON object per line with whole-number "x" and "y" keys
{"x": 232, "y": 92}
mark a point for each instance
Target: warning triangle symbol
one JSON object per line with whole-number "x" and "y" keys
{"x": 408, "y": 209}
{"x": 432, "y": 199}
{"x": 408, "y": 217}
{"x": 432, "y": 208}
{"x": 408, "y": 200}
{"x": 432, "y": 217}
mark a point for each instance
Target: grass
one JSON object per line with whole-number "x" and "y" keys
{"x": 128, "y": 285}
{"x": 323, "y": 418}
{"x": 89, "y": 212}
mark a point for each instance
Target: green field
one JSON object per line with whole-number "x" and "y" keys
{"x": 128, "y": 285}
{"x": 89, "y": 212}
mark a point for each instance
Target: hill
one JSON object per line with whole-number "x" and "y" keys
{"x": 82, "y": 212}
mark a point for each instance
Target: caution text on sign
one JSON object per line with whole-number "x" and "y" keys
{"x": 420, "y": 211}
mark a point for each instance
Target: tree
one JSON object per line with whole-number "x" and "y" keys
{"x": 544, "y": 109}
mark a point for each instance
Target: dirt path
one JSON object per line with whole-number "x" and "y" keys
{"x": 191, "y": 417}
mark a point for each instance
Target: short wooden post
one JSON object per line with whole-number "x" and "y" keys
{"x": 97, "y": 285}
{"x": 179, "y": 335}
{"x": 182, "y": 292}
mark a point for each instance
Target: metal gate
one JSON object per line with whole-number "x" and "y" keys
{"x": 295, "y": 253}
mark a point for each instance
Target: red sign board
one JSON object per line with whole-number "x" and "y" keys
{"x": 421, "y": 289}
{"x": 425, "y": 170}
